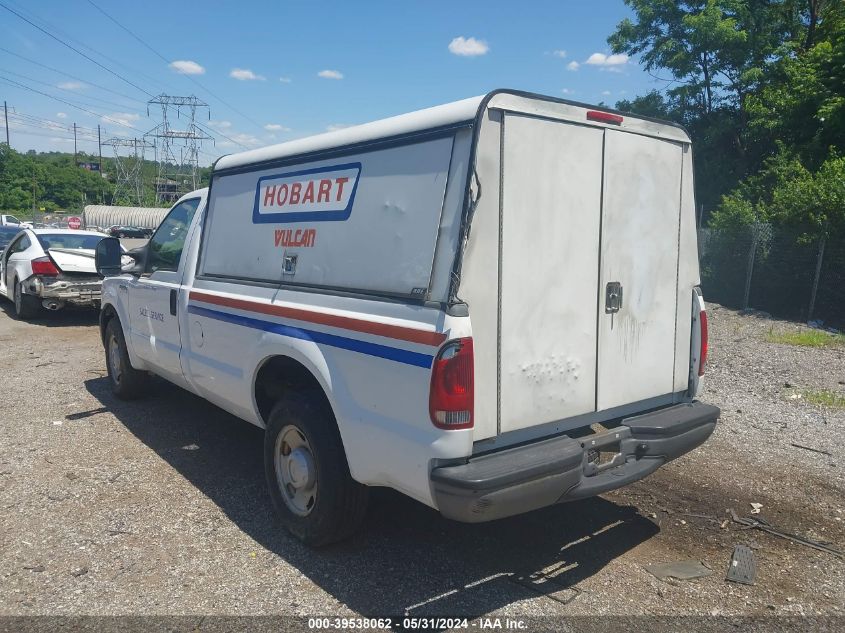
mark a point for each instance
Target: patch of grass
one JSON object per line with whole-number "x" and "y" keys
{"x": 823, "y": 397}
{"x": 807, "y": 338}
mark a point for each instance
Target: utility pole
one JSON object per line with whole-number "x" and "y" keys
{"x": 100, "y": 149}
{"x": 6, "y": 115}
{"x": 75, "y": 159}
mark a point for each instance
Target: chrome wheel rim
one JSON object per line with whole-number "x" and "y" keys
{"x": 114, "y": 360}
{"x": 296, "y": 470}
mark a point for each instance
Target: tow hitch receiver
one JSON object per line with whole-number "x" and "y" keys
{"x": 605, "y": 451}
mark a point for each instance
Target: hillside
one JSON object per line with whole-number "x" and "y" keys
{"x": 52, "y": 182}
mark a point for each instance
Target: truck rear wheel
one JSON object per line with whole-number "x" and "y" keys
{"x": 307, "y": 474}
{"x": 127, "y": 383}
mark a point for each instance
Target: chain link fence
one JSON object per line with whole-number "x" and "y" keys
{"x": 776, "y": 270}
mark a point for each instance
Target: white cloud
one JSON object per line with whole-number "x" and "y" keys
{"x": 121, "y": 118}
{"x": 468, "y": 47}
{"x": 276, "y": 127}
{"x": 334, "y": 127}
{"x": 573, "y": 65}
{"x": 285, "y": 80}
{"x": 607, "y": 61}
{"x": 605, "y": 93}
{"x": 559, "y": 53}
{"x": 70, "y": 85}
{"x": 220, "y": 125}
{"x": 330, "y": 74}
{"x": 187, "y": 67}
{"x": 61, "y": 115}
{"x": 566, "y": 91}
{"x": 244, "y": 74}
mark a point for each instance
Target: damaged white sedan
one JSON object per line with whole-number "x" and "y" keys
{"x": 49, "y": 269}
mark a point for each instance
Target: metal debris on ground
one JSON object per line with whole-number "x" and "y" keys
{"x": 743, "y": 566}
{"x": 761, "y": 524}
{"x": 756, "y": 507}
{"x": 680, "y": 570}
{"x": 815, "y": 450}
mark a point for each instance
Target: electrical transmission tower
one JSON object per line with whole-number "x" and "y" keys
{"x": 128, "y": 160}
{"x": 177, "y": 150}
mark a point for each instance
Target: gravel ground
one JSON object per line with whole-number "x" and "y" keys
{"x": 159, "y": 506}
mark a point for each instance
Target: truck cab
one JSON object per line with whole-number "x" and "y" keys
{"x": 491, "y": 306}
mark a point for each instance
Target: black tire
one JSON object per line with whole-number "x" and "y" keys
{"x": 340, "y": 503}
{"x": 127, "y": 383}
{"x": 26, "y": 306}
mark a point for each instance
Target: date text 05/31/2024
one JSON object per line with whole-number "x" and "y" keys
{"x": 418, "y": 623}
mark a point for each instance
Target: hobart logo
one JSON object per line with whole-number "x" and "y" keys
{"x": 313, "y": 195}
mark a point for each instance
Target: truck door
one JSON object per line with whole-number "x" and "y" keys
{"x": 153, "y": 297}
{"x": 639, "y": 267}
{"x": 551, "y": 207}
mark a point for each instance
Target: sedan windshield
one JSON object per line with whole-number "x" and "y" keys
{"x": 68, "y": 240}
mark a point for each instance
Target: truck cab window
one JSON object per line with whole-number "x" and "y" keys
{"x": 169, "y": 240}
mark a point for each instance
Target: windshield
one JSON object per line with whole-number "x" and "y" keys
{"x": 69, "y": 240}
{"x": 6, "y": 235}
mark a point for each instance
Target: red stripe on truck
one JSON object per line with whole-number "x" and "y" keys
{"x": 321, "y": 318}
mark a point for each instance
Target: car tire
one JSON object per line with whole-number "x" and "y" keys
{"x": 315, "y": 465}
{"x": 121, "y": 235}
{"x": 127, "y": 383}
{"x": 26, "y": 306}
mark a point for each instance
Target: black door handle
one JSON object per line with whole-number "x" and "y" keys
{"x": 173, "y": 302}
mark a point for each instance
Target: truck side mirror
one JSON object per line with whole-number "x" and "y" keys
{"x": 107, "y": 257}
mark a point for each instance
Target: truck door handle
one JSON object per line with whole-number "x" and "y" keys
{"x": 613, "y": 297}
{"x": 173, "y": 302}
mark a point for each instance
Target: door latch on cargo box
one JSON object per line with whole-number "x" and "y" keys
{"x": 613, "y": 297}
{"x": 289, "y": 265}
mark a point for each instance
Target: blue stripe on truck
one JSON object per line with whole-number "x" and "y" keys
{"x": 363, "y": 347}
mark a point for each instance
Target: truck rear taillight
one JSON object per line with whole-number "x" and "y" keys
{"x": 45, "y": 267}
{"x": 702, "y": 357}
{"x": 452, "y": 394}
{"x": 604, "y": 117}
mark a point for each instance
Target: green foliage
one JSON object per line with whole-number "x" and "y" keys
{"x": 52, "y": 178}
{"x": 814, "y": 202}
{"x": 807, "y": 338}
{"x": 57, "y": 183}
{"x": 760, "y": 85}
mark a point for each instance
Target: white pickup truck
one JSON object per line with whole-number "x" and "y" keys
{"x": 491, "y": 306}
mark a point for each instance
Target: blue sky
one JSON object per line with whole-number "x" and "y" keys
{"x": 273, "y": 71}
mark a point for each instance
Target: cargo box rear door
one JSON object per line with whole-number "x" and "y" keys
{"x": 550, "y": 213}
{"x": 639, "y": 266}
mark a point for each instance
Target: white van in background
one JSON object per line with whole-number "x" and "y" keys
{"x": 491, "y": 306}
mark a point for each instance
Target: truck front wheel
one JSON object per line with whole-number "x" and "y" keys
{"x": 312, "y": 491}
{"x": 127, "y": 383}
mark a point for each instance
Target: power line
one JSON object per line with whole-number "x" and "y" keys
{"x": 228, "y": 138}
{"x": 154, "y": 81}
{"x": 97, "y": 114}
{"x": 61, "y": 72}
{"x": 51, "y": 122}
{"x": 78, "y": 96}
{"x": 74, "y": 49}
{"x": 167, "y": 61}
